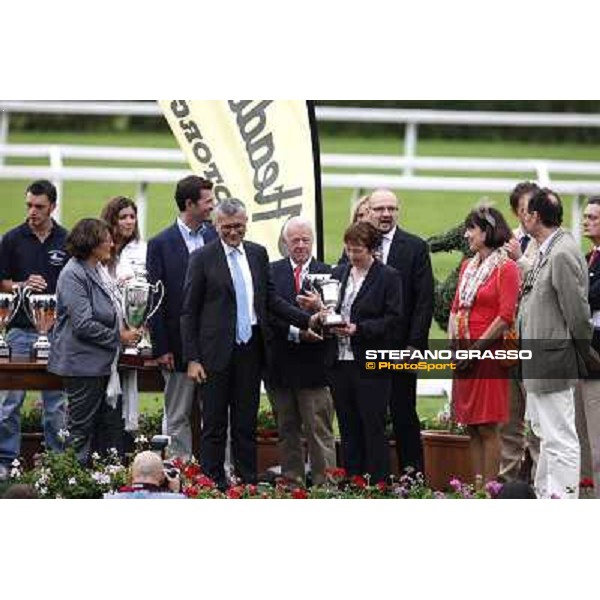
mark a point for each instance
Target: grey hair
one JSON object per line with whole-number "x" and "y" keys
{"x": 296, "y": 221}
{"x": 147, "y": 465}
{"x": 230, "y": 207}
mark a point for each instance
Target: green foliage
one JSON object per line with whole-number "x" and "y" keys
{"x": 61, "y": 476}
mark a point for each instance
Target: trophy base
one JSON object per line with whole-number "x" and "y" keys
{"x": 40, "y": 353}
{"x": 131, "y": 360}
{"x": 5, "y": 352}
{"x": 334, "y": 320}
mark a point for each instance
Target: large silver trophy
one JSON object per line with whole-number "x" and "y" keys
{"x": 9, "y": 305}
{"x": 140, "y": 301}
{"x": 329, "y": 290}
{"x": 41, "y": 310}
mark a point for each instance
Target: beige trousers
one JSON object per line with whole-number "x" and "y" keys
{"x": 516, "y": 437}
{"x": 307, "y": 411}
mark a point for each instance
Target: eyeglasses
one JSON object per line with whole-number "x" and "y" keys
{"x": 381, "y": 209}
{"x": 234, "y": 226}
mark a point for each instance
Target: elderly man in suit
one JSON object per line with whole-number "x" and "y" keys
{"x": 554, "y": 322}
{"x": 296, "y": 376}
{"x": 409, "y": 255}
{"x": 515, "y": 437}
{"x": 167, "y": 260}
{"x": 225, "y": 333}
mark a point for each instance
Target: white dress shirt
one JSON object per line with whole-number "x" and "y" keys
{"x": 386, "y": 243}
{"x": 242, "y": 260}
{"x": 193, "y": 239}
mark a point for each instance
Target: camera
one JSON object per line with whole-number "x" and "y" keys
{"x": 159, "y": 444}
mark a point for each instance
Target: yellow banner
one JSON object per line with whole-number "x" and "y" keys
{"x": 262, "y": 152}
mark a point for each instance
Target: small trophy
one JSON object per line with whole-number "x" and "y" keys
{"x": 9, "y": 304}
{"x": 329, "y": 289}
{"x": 41, "y": 310}
{"x": 140, "y": 301}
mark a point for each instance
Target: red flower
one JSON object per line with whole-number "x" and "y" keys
{"x": 251, "y": 489}
{"x": 586, "y": 482}
{"x": 381, "y": 486}
{"x": 178, "y": 463}
{"x": 191, "y": 470}
{"x": 191, "y": 491}
{"x": 299, "y": 494}
{"x": 336, "y": 473}
{"x": 204, "y": 481}
{"x": 359, "y": 481}
{"x": 234, "y": 493}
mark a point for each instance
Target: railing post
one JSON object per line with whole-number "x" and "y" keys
{"x": 56, "y": 164}
{"x": 410, "y": 145}
{"x": 141, "y": 201}
{"x": 4, "y": 124}
{"x": 576, "y": 218}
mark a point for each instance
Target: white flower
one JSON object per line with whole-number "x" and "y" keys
{"x": 16, "y": 463}
{"x": 15, "y": 473}
{"x": 63, "y": 434}
{"x": 141, "y": 439}
{"x": 95, "y": 456}
{"x": 100, "y": 478}
{"x": 43, "y": 491}
{"x": 72, "y": 481}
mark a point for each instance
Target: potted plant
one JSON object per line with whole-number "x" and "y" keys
{"x": 446, "y": 451}
{"x": 266, "y": 440}
{"x": 32, "y": 436}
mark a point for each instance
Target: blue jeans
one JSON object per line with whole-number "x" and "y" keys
{"x": 54, "y": 406}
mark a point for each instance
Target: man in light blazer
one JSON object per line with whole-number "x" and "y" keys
{"x": 554, "y": 322}
{"x": 167, "y": 261}
{"x": 228, "y": 295}
{"x": 515, "y": 437}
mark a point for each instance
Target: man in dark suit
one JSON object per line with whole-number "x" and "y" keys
{"x": 167, "y": 260}
{"x": 225, "y": 331}
{"x": 409, "y": 255}
{"x": 297, "y": 380}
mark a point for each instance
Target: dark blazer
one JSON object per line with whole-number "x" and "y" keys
{"x": 409, "y": 255}
{"x": 208, "y": 315}
{"x": 377, "y": 309}
{"x": 292, "y": 364}
{"x": 167, "y": 261}
{"x": 594, "y": 301}
{"x": 86, "y": 334}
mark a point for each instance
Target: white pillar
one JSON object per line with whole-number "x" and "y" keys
{"x": 4, "y": 123}
{"x": 410, "y": 145}
{"x": 142, "y": 205}
{"x": 56, "y": 164}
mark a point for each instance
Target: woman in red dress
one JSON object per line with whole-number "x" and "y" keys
{"x": 483, "y": 310}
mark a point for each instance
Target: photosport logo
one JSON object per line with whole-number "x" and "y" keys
{"x": 440, "y": 363}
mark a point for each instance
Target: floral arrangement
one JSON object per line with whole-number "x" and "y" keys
{"x": 266, "y": 425}
{"x": 61, "y": 476}
{"x": 444, "y": 421}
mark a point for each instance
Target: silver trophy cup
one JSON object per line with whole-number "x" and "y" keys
{"x": 9, "y": 304}
{"x": 329, "y": 290}
{"x": 41, "y": 310}
{"x": 140, "y": 301}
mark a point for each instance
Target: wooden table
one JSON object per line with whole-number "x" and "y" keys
{"x": 26, "y": 374}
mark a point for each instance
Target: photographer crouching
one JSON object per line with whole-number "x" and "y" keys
{"x": 150, "y": 479}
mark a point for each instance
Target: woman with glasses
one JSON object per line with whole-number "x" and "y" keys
{"x": 483, "y": 310}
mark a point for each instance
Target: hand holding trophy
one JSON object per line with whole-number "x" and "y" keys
{"x": 140, "y": 301}
{"x": 329, "y": 290}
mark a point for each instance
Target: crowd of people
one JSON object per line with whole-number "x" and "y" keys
{"x": 231, "y": 319}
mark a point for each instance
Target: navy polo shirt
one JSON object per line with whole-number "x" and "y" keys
{"x": 22, "y": 254}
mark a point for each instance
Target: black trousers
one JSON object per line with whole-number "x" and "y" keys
{"x": 407, "y": 427}
{"x": 93, "y": 425}
{"x": 361, "y": 406}
{"x": 232, "y": 395}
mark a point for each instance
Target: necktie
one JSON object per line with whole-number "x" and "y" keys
{"x": 297, "y": 277}
{"x": 243, "y": 328}
{"x": 378, "y": 254}
{"x": 593, "y": 257}
{"x": 525, "y": 242}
